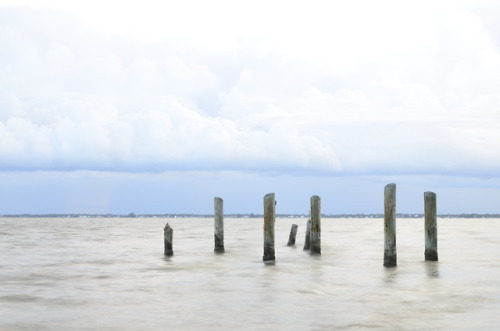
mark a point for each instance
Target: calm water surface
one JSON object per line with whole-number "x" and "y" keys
{"x": 110, "y": 274}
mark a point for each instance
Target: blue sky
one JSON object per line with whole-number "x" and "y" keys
{"x": 157, "y": 107}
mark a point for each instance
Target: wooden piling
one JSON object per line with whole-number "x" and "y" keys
{"x": 390, "y": 256}
{"x": 293, "y": 234}
{"x": 218, "y": 225}
{"x": 315, "y": 225}
{"x": 269, "y": 219}
{"x": 431, "y": 253}
{"x": 168, "y": 233}
{"x": 307, "y": 242}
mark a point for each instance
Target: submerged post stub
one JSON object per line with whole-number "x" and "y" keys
{"x": 307, "y": 241}
{"x": 431, "y": 253}
{"x": 168, "y": 235}
{"x": 315, "y": 236}
{"x": 390, "y": 256}
{"x": 293, "y": 234}
{"x": 218, "y": 225}
{"x": 269, "y": 219}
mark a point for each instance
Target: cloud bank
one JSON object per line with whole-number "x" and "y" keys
{"x": 317, "y": 88}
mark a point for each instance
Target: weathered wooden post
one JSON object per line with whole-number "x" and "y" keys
{"x": 390, "y": 256}
{"x": 293, "y": 234}
{"x": 307, "y": 242}
{"x": 431, "y": 253}
{"x": 168, "y": 233}
{"x": 315, "y": 225}
{"x": 269, "y": 219}
{"x": 218, "y": 225}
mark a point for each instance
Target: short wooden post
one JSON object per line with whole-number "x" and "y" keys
{"x": 293, "y": 234}
{"x": 168, "y": 233}
{"x": 218, "y": 225}
{"x": 431, "y": 253}
{"x": 390, "y": 256}
{"x": 269, "y": 219}
{"x": 315, "y": 225}
{"x": 307, "y": 242}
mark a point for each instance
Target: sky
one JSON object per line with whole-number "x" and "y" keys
{"x": 160, "y": 106}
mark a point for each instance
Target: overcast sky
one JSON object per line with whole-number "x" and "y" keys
{"x": 159, "y": 106}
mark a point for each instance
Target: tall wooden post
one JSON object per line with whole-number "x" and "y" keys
{"x": 269, "y": 219}
{"x": 390, "y": 256}
{"x": 431, "y": 253}
{"x": 293, "y": 234}
{"x": 168, "y": 233}
{"x": 218, "y": 225}
{"x": 307, "y": 242}
{"x": 315, "y": 225}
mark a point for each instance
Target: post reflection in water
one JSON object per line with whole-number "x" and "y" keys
{"x": 390, "y": 275}
{"x": 432, "y": 269}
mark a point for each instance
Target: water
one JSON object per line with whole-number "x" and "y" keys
{"x": 110, "y": 274}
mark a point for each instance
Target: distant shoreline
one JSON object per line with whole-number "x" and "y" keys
{"x": 132, "y": 215}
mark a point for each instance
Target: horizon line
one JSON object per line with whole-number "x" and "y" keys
{"x": 239, "y": 215}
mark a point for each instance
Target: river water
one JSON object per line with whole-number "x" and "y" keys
{"x": 110, "y": 274}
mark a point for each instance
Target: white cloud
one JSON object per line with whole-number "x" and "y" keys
{"x": 327, "y": 87}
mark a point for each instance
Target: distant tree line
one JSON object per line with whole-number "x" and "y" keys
{"x": 251, "y": 215}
